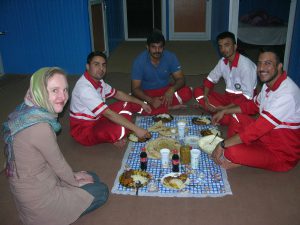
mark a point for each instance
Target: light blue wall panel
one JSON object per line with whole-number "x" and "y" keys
{"x": 44, "y": 33}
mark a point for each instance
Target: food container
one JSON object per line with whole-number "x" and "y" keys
{"x": 192, "y": 141}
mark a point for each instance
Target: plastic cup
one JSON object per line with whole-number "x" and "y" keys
{"x": 181, "y": 129}
{"x": 164, "y": 152}
{"x": 195, "y": 155}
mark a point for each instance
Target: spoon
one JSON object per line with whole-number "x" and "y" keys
{"x": 213, "y": 139}
{"x": 138, "y": 184}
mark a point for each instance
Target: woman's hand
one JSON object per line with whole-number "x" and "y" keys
{"x": 83, "y": 178}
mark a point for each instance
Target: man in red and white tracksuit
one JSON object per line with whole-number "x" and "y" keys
{"x": 238, "y": 72}
{"x": 92, "y": 121}
{"x": 272, "y": 141}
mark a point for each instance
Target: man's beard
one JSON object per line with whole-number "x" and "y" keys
{"x": 272, "y": 77}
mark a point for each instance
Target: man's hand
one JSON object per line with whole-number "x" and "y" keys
{"x": 83, "y": 178}
{"x": 209, "y": 106}
{"x": 168, "y": 97}
{"x": 142, "y": 133}
{"x": 156, "y": 102}
{"x": 217, "y": 117}
{"x": 217, "y": 154}
{"x": 146, "y": 107}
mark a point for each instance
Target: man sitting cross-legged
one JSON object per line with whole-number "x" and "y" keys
{"x": 272, "y": 140}
{"x": 151, "y": 74}
{"x": 92, "y": 121}
{"x": 239, "y": 74}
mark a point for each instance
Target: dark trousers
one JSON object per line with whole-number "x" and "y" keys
{"x": 100, "y": 192}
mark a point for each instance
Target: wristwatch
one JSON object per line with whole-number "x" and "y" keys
{"x": 222, "y": 144}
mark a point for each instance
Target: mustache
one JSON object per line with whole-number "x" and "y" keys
{"x": 262, "y": 71}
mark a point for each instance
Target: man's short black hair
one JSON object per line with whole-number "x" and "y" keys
{"x": 273, "y": 50}
{"x": 93, "y": 54}
{"x": 156, "y": 37}
{"x": 226, "y": 34}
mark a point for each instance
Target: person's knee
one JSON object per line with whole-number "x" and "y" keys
{"x": 198, "y": 91}
{"x": 231, "y": 155}
{"x": 186, "y": 94}
{"x": 101, "y": 194}
{"x": 99, "y": 190}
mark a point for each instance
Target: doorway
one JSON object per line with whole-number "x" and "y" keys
{"x": 142, "y": 16}
{"x": 98, "y": 28}
{"x": 189, "y": 20}
{"x": 233, "y": 26}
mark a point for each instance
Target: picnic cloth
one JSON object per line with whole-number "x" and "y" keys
{"x": 209, "y": 180}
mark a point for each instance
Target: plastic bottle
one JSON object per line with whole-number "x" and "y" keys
{"x": 175, "y": 161}
{"x": 143, "y": 159}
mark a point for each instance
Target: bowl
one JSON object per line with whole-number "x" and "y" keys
{"x": 192, "y": 140}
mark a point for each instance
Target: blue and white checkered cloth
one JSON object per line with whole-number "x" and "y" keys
{"x": 209, "y": 180}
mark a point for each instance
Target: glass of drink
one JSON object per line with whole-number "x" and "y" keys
{"x": 165, "y": 158}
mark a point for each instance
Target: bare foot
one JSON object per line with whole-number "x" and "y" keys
{"x": 177, "y": 107}
{"x": 229, "y": 165}
{"x": 121, "y": 143}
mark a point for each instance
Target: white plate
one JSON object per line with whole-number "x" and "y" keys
{"x": 174, "y": 175}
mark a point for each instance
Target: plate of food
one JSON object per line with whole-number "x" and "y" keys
{"x": 168, "y": 131}
{"x": 201, "y": 120}
{"x": 176, "y": 181}
{"x": 165, "y": 118}
{"x": 212, "y": 131}
{"x": 209, "y": 143}
{"x": 130, "y": 178}
{"x": 153, "y": 147}
{"x": 132, "y": 137}
{"x": 156, "y": 127}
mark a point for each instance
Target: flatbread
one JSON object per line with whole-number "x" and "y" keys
{"x": 209, "y": 143}
{"x": 156, "y": 127}
{"x": 168, "y": 131}
{"x": 153, "y": 147}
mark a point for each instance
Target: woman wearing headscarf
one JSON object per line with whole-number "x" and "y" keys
{"x": 45, "y": 189}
